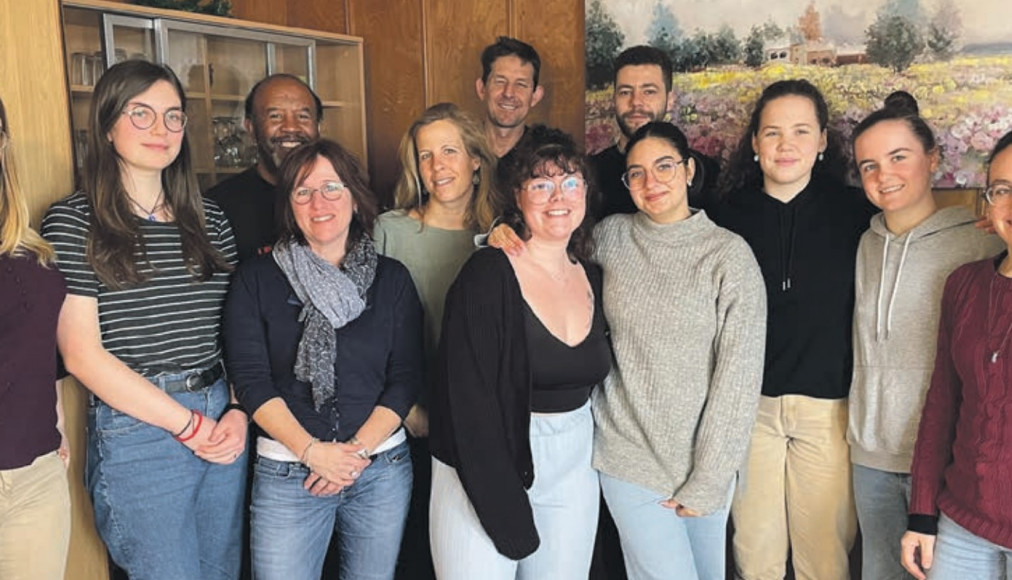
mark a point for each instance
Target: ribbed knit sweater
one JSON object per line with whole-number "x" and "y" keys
{"x": 963, "y": 457}
{"x": 687, "y": 308}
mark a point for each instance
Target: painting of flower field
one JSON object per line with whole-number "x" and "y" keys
{"x": 964, "y": 90}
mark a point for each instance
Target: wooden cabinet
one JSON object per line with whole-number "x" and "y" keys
{"x": 218, "y": 61}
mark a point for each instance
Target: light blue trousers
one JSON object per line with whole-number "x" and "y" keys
{"x": 564, "y": 497}
{"x": 658, "y": 544}
{"x": 961, "y": 554}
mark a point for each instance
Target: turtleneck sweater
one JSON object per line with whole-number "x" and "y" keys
{"x": 687, "y": 311}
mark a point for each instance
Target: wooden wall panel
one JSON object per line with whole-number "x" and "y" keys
{"x": 556, "y": 29}
{"x": 394, "y": 64}
{"x": 456, "y": 33}
{"x": 31, "y": 84}
{"x": 267, "y": 11}
{"x": 325, "y": 15}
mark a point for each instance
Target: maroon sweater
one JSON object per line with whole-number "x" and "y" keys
{"x": 30, "y": 300}
{"x": 963, "y": 457}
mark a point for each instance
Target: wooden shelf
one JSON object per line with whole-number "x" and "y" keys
{"x": 222, "y": 59}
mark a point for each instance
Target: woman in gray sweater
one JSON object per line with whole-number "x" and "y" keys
{"x": 687, "y": 308}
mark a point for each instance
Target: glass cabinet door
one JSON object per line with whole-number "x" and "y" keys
{"x": 217, "y": 64}
{"x": 129, "y": 38}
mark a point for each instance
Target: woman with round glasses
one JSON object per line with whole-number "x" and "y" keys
{"x": 784, "y": 192}
{"x": 686, "y": 308}
{"x": 324, "y": 342}
{"x": 960, "y": 522}
{"x": 523, "y": 345}
{"x": 35, "y": 525}
{"x": 147, "y": 261}
{"x": 902, "y": 263}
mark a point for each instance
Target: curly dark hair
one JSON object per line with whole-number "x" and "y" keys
{"x": 743, "y": 174}
{"x": 543, "y": 147}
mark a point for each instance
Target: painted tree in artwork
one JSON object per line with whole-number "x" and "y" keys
{"x": 894, "y": 40}
{"x": 944, "y": 30}
{"x": 664, "y": 32}
{"x": 810, "y": 24}
{"x": 603, "y": 42}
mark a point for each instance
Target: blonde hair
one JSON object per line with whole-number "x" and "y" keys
{"x": 410, "y": 194}
{"x": 16, "y": 234}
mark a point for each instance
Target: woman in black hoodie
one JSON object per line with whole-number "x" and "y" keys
{"x": 784, "y": 192}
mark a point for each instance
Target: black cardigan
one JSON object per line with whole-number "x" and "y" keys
{"x": 481, "y": 412}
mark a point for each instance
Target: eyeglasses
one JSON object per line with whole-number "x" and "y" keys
{"x": 1000, "y": 193}
{"x": 144, "y": 117}
{"x": 541, "y": 189}
{"x": 330, "y": 190}
{"x": 664, "y": 171}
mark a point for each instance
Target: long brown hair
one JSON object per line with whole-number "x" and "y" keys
{"x": 410, "y": 193}
{"x": 115, "y": 237}
{"x": 16, "y": 235}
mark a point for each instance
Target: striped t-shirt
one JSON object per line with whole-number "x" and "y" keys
{"x": 170, "y": 323}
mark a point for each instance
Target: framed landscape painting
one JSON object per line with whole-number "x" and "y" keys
{"x": 954, "y": 56}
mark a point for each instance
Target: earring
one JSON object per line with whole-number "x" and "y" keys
{"x": 689, "y": 183}
{"x": 755, "y": 158}
{"x": 822, "y": 156}
{"x": 475, "y": 179}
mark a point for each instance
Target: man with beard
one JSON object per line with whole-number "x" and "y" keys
{"x": 509, "y": 88}
{"x": 282, "y": 112}
{"x": 643, "y": 94}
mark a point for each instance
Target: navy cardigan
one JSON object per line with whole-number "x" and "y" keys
{"x": 379, "y": 354}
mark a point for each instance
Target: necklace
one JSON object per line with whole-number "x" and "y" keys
{"x": 990, "y": 316}
{"x": 159, "y": 202}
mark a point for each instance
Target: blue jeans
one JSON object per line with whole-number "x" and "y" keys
{"x": 565, "y": 499}
{"x": 961, "y": 554}
{"x": 290, "y": 529}
{"x": 163, "y": 512}
{"x": 882, "y": 499}
{"x": 658, "y": 544}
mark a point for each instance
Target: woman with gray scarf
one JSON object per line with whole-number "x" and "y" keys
{"x": 323, "y": 342}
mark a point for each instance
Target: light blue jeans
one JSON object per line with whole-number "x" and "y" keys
{"x": 164, "y": 513}
{"x": 961, "y": 554}
{"x": 882, "y": 499}
{"x": 565, "y": 498}
{"x": 290, "y": 529}
{"x": 658, "y": 544}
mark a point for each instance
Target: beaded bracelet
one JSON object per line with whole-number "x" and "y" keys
{"x": 200, "y": 421}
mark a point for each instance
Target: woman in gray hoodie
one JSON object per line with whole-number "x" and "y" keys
{"x": 902, "y": 263}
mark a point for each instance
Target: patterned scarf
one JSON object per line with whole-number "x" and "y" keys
{"x": 332, "y": 297}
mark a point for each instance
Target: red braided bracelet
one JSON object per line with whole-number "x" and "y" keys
{"x": 200, "y": 419}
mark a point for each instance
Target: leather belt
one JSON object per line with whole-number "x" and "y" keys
{"x": 194, "y": 381}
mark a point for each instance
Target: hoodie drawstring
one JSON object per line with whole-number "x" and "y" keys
{"x": 786, "y": 264}
{"x": 881, "y": 286}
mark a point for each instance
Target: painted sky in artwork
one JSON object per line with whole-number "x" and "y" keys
{"x": 843, "y": 21}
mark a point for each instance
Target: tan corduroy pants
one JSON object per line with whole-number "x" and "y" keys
{"x": 795, "y": 491}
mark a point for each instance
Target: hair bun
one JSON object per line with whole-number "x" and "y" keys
{"x": 902, "y": 101}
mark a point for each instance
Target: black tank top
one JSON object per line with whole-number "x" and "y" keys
{"x": 562, "y": 375}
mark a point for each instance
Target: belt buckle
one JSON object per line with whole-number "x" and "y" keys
{"x": 194, "y": 382}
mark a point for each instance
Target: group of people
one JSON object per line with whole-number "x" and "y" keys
{"x": 759, "y": 341}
